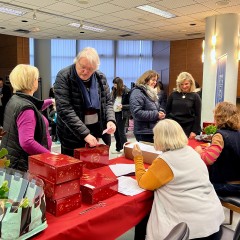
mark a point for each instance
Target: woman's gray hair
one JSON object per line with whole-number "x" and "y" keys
{"x": 185, "y": 76}
{"x": 91, "y": 55}
{"x": 169, "y": 135}
{"x": 23, "y": 76}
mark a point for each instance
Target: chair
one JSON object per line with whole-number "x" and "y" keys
{"x": 232, "y": 203}
{"x": 228, "y": 234}
{"x": 179, "y": 232}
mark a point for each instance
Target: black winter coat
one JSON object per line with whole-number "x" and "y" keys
{"x": 70, "y": 107}
{"x": 145, "y": 111}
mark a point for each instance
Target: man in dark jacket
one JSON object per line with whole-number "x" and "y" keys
{"x": 84, "y": 104}
{"x": 5, "y": 95}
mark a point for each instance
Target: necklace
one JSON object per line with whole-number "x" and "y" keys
{"x": 184, "y": 95}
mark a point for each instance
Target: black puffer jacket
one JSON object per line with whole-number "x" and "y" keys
{"x": 145, "y": 111}
{"x": 70, "y": 107}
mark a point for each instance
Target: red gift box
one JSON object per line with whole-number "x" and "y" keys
{"x": 57, "y": 191}
{"x": 96, "y": 187}
{"x": 57, "y": 168}
{"x": 93, "y": 157}
{"x": 63, "y": 205}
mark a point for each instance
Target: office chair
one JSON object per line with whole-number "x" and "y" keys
{"x": 179, "y": 232}
{"x": 228, "y": 234}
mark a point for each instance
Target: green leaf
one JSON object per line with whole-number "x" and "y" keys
{"x": 3, "y": 152}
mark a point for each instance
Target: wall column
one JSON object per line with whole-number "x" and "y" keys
{"x": 42, "y": 60}
{"x": 226, "y": 28}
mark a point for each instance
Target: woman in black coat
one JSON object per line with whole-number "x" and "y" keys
{"x": 120, "y": 94}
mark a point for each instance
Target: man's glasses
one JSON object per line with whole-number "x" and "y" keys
{"x": 82, "y": 67}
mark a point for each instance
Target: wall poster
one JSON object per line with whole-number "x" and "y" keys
{"x": 220, "y": 81}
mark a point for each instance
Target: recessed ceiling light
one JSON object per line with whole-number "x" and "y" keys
{"x": 11, "y": 11}
{"x": 94, "y": 29}
{"x": 82, "y": 1}
{"x": 156, "y": 11}
{"x": 222, "y": 2}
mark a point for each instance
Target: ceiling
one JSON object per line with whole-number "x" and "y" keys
{"x": 120, "y": 18}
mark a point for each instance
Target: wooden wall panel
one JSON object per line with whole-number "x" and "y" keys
{"x": 14, "y": 50}
{"x": 185, "y": 56}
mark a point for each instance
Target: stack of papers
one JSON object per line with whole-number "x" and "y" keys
{"x": 128, "y": 186}
{"x": 122, "y": 169}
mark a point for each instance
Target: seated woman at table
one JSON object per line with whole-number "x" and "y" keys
{"x": 182, "y": 190}
{"x": 223, "y": 156}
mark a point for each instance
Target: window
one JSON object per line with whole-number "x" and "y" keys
{"x": 63, "y": 53}
{"x": 105, "y": 49}
{"x": 133, "y": 59}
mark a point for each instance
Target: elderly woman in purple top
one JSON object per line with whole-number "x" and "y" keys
{"x": 26, "y": 127}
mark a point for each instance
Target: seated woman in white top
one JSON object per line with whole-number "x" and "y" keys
{"x": 180, "y": 181}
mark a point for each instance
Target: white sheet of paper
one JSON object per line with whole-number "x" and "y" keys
{"x": 122, "y": 169}
{"x": 144, "y": 147}
{"x": 128, "y": 186}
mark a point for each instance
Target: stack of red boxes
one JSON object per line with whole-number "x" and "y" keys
{"x": 61, "y": 175}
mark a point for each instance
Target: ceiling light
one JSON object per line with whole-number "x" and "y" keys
{"x": 156, "y": 11}
{"x": 222, "y": 2}
{"x": 94, "y": 29}
{"x": 11, "y": 11}
{"x": 34, "y": 15}
{"x": 82, "y": 1}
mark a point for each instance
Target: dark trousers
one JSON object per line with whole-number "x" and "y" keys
{"x": 224, "y": 189}
{"x": 1, "y": 115}
{"x": 144, "y": 137}
{"x": 215, "y": 236}
{"x": 120, "y": 134}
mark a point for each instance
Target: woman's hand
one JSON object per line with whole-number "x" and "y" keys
{"x": 161, "y": 115}
{"x": 136, "y": 151}
{"x": 199, "y": 149}
{"x": 192, "y": 135}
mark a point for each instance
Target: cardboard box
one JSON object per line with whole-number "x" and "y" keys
{"x": 148, "y": 151}
{"x": 94, "y": 157}
{"x": 57, "y": 168}
{"x": 63, "y": 205}
{"x": 96, "y": 187}
{"x": 61, "y": 190}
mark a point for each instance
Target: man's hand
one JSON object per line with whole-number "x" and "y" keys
{"x": 136, "y": 151}
{"x": 111, "y": 127}
{"x": 91, "y": 140}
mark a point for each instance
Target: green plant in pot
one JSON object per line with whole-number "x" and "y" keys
{"x": 210, "y": 129}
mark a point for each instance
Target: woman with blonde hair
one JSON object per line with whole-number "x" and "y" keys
{"x": 184, "y": 105}
{"x": 182, "y": 190}
{"x": 26, "y": 127}
{"x": 145, "y": 107}
{"x": 223, "y": 156}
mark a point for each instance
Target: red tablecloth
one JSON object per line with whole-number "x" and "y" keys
{"x": 109, "y": 222}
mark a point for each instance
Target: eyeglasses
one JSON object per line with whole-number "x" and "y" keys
{"x": 86, "y": 68}
{"x": 153, "y": 80}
